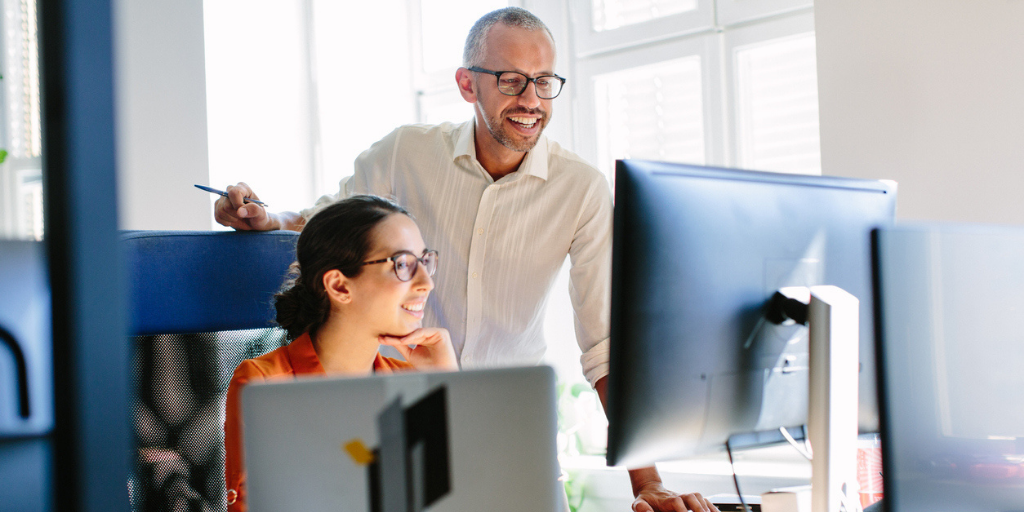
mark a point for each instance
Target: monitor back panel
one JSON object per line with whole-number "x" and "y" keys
{"x": 697, "y": 254}
{"x": 439, "y": 441}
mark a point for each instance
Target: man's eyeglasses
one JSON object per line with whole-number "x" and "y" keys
{"x": 513, "y": 83}
{"x": 406, "y": 263}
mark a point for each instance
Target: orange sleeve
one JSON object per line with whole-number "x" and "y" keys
{"x": 389, "y": 364}
{"x": 234, "y": 462}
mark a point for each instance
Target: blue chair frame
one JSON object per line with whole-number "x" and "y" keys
{"x": 199, "y": 303}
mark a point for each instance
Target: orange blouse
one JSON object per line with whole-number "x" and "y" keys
{"x": 296, "y": 358}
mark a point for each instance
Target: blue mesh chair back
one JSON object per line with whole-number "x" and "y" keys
{"x": 200, "y": 303}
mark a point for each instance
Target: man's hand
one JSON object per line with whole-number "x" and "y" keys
{"x": 232, "y": 211}
{"x": 654, "y": 497}
{"x": 425, "y": 347}
{"x": 651, "y": 495}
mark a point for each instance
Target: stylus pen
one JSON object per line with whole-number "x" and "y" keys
{"x": 225, "y": 194}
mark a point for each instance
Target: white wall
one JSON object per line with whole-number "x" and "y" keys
{"x": 160, "y": 83}
{"x": 928, "y": 93}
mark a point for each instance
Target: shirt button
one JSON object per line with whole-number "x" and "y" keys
{"x": 480, "y": 231}
{"x": 474, "y": 275}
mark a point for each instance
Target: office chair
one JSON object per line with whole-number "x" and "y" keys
{"x": 200, "y": 303}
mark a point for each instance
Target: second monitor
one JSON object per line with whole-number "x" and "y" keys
{"x": 697, "y": 254}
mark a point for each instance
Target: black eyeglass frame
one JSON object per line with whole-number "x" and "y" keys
{"x": 420, "y": 260}
{"x": 497, "y": 77}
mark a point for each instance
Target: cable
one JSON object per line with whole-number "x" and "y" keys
{"x": 803, "y": 451}
{"x": 735, "y": 479}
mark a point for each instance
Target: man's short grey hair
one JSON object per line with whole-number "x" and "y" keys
{"x": 511, "y": 16}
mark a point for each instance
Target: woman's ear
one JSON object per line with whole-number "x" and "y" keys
{"x": 337, "y": 286}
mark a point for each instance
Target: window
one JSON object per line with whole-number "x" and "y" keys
{"x": 601, "y": 26}
{"x": 612, "y": 14}
{"x": 291, "y": 97}
{"x": 653, "y": 111}
{"x": 21, "y": 189}
{"x": 257, "y": 89}
{"x": 361, "y": 95}
{"x": 442, "y": 26}
{"x": 777, "y": 105}
{"x": 741, "y": 95}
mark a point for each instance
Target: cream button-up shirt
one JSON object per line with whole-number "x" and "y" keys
{"x": 501, "y": 243}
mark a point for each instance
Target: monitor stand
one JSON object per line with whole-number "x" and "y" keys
{"x": 833, "y": 325}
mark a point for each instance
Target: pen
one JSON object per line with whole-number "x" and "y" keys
{"x": 225, "y": 194}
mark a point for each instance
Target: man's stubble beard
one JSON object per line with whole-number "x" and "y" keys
{"x": 496, "y": 127}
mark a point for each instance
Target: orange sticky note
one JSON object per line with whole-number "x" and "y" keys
{"x": 359, "y": 452}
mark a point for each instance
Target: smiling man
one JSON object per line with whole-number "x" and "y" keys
{"x": 504, "y": 206}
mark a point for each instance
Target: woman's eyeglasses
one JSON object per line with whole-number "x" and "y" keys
{"x": 406, "y": 263}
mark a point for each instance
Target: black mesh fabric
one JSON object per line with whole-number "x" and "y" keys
{"x": 180, "y": 383}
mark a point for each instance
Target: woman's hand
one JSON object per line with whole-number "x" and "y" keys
{"x": 426, "y": 347}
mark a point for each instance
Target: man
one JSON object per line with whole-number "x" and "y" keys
{"x": 503, "y": 206}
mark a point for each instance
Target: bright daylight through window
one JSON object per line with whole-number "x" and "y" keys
{"x": 21, "y": 183}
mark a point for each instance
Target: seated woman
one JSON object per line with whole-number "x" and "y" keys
{"x": 361, "y": 280}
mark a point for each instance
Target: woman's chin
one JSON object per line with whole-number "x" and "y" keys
{"x": 400, "y": 332}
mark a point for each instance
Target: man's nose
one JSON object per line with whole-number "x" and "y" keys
{"x": 529, "y": 98}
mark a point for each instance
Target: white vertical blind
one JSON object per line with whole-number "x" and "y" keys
{"x": 652, "y": 112}
{"x": 777, "y": 105}
{"x": 612, "y": 14}
{"x": 21, "y": 76}
{"x": 21, "y": 197}
{"x": 30, "y": 198}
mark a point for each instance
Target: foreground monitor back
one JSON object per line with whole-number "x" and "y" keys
{"x": 951, "y": 354}
{"x": 697, "y": 253}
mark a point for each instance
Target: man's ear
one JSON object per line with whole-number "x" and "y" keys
{"x": 464, "y": 79}
{"x": 337, "y": 286}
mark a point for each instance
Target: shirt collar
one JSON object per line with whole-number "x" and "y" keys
{"x": 305, "y": 361}
{"x": 303, "y": 357}
{"x": 535, "y": 163}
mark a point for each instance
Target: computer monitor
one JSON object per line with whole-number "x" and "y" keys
{"x": 435, "y": 441}
{"x": 950, "y": 359}
{"x": 697, "y": 254}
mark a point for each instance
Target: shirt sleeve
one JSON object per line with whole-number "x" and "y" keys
{"x": 373, "y": 174}
{"x": 234, "y": 460}
{"x": 590, "y": 280}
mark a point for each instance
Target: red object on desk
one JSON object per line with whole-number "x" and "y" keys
{"x": 869, "y": 470}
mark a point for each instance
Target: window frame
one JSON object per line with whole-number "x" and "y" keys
{"x": 590, "y": 42}
{"x": 732, "y": 12}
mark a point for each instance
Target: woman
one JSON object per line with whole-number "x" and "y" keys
{"x": 361, "y": 280}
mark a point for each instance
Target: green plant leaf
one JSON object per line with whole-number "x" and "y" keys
{"x": 579, "y": 388}
{"x": 3, "y": 153}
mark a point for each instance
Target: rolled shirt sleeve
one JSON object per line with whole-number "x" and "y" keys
{"x": 590, "y": 280}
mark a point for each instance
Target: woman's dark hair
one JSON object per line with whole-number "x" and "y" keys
{"x": 336, "y": 237}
